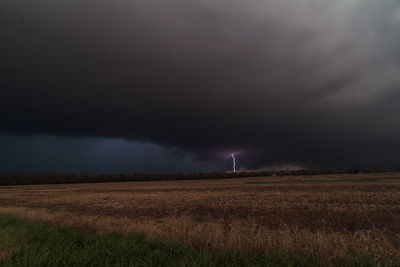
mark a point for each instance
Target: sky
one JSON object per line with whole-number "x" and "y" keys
{"x": 176, "y": 85}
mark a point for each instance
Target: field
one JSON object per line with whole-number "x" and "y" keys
{"x": 331, "y": 217}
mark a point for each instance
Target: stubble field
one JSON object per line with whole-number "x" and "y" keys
{"x": 328, "y": 216}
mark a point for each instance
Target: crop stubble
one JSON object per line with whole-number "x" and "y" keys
{"x": 330, "y": 216}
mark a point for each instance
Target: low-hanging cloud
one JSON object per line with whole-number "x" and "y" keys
{"x": 311, "y": 82}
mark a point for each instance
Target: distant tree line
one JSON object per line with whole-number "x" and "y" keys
{"x": 366, "y": 170}
{"x": 58, "y": 178}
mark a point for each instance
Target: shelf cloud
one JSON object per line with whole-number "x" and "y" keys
{"x": 305, "y": 82}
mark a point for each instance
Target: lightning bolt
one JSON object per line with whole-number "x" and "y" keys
{"x": 233, "y": 162}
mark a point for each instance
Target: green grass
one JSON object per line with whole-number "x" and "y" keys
{"x": 38, "y": 244}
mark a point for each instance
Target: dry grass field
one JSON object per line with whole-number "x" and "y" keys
{"x": 330, "y": 216}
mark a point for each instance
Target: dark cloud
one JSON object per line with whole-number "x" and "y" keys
{"x": 44, "y": 153}
{"x": 305, "y": 82}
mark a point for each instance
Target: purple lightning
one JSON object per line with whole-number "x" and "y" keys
{"x": 232, "y": 155}
{"x": 234, "y": 162}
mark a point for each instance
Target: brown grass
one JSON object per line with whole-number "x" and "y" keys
{"x": 330, "y": 216}
{"x": 5, "y": 252}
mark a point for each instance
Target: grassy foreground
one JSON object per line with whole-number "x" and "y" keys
{"x": 26, "y": 243}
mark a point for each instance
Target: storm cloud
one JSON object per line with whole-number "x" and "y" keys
{"x": 308, "y": 82}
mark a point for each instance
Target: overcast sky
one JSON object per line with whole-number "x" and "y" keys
{"x": 176, "y": 85}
